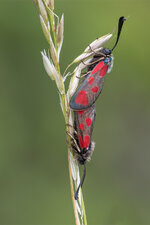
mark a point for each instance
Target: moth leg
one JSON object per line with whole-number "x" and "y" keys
{"x": 84, "y": 75}
{"x": 84, "y": 62}
{"x": 67, "y": 141}
{"x": 92, "y": 50}
{"x": 95, "y": 61}
{"x": 69, "y": 125}
{"x": 90, "y": 63}
{"x": 75, "y": 142}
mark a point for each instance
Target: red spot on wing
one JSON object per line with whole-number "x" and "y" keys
{"x": 103, "y": 71}
{"x": 81, "y": 142}
{"x": 86, "y": 141}
{"x": 90, "y": 80}
{"x": 95, "y": 89}
{"x": 88, "y": 121}
{"x": 82, "y": 98}
{"x": 81, "y": 126}
{"x": 80, "y": 112}
{"x": 98, "y": 67}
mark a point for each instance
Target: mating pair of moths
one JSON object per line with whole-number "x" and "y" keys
{"x": 82, "y": 103}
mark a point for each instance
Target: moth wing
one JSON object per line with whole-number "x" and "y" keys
{"x": 84, "y": 122}
{"x": 90, "y": 88}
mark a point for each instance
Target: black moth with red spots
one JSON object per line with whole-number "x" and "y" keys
{"x": 83, "y": 127}
{"x": 91, "y": 87}
{"x": 81, "y": 142}
{"x": 82, "y": 103}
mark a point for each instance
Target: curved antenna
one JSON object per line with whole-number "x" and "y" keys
{"x": 81, "y": 183}
{"x": 120, "y": 24}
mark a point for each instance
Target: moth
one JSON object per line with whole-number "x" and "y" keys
{"x": 89, "y": 90}
{"x": 81, "y": 142}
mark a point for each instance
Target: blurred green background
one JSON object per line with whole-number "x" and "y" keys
{"x": 34, "y": 181}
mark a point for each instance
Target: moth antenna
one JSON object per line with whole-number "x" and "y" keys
{"x": 120, "y": 24}
{"x": 81, "y": 183}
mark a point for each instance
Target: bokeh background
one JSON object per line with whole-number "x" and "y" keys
{"x": 34, "y": 181}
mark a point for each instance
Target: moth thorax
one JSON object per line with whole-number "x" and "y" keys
{"x": 94, "y": 61}
{"x": 110, "y": 63}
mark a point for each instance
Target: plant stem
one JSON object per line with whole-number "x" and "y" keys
{"x": 51, "y": 16}
{"x": 83, "y": 207}
{"x": 77, "y": 221}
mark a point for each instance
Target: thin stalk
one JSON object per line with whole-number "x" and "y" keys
{"x": 83, "y": 207}
{"x": 51, "y": 16}
{"x": 51, "y": 19}
{"x": 77, "y": 221}
{"x": 52, "y": 24}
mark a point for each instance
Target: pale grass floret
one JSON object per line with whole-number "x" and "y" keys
{"x": 49, "y": 67}
{"x": 42, "y": 11}
{"x": 99, "y": 42}
{"x": 60, "y": 34}
{"x": 54, "y": 53}
{"x": 50, "y": 4}
{"x": 52, "y": 72}
{"x": 45, "y": 28}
